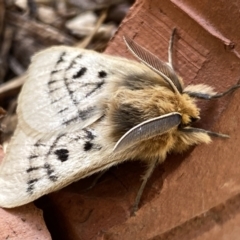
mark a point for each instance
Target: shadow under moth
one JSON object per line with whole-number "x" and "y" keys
{"x": 81, "y": 112}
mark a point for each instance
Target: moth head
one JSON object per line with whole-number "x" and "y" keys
{"x": 188, "y": 108}
{"x": 167, "y": 110}
{"x": 172, "y": 129}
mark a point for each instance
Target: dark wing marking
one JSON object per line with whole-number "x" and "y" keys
{"x": 45, "y": 155}
{"x": 67, "y": 87}
{"x": 155, "y": 64}
{"x": 147, "y": 129}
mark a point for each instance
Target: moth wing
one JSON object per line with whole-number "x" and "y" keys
{"x": 34, "y": 167}
{"x": 64, "y": 87}
{"x": 147, "y": 129}
{"x": 51, "y": 146}
{"x": 60, "y": 136}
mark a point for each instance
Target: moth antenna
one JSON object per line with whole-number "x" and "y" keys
{"x": 146, "y": 176}
{"x": 158, "y": 66}
{"x": 147, "y": 129}
{"x": 210, "y": 133}
{"x": 208, "y": 96}
{"x": 170, "y": 49}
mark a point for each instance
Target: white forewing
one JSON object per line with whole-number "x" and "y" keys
{"x": 43, "y": 166}
{"x": 62, "y": 90}
{"x": 62, "y": 133}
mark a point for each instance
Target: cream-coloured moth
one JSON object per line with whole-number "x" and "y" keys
{"x": 81, "y": 112}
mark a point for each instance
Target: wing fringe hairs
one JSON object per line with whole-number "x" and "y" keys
{"x": 81, "y": 112}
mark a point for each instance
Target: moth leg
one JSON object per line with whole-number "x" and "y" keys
{"x": 207, "y": 96}
{"x": 170, "y": 48}
{"x": 200, "y": 130}
{"x": 147, "y": 175}
{"x": 99, "y": 175}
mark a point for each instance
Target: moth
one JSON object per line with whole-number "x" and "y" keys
{"x": 81, "y": 112}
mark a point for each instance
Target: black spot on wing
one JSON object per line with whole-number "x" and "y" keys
{"x": 88, "y": 146}
{"x": 62, "y": 154}
{"x": 80, "y": 73}
{"x": 102, "y": 74}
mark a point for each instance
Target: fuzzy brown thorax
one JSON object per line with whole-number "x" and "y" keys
{"x": 151, "y": 112}
{"x": 131, "y": 106}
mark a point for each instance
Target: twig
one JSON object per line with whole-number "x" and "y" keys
{"x": 89, "y": 38}
{"x": 12, "y": 84}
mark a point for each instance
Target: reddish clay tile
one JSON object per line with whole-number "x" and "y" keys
{"x": 24, "y": 222}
